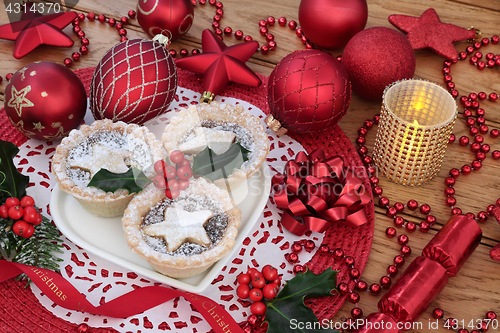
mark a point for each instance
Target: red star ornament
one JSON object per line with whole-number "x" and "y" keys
{"x": 428, "y": 31}
{"x": 35, "y": 29}
{"x": 220, "y": 64}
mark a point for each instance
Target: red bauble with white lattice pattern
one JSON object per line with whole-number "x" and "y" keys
{"x": 308, "y": 91}
{"x": 135, "y": 81}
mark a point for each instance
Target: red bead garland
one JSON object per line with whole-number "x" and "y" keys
{"x": 481, "y": 326}
{"x": 263, "y": 25}
{"x": 470, "y": 103}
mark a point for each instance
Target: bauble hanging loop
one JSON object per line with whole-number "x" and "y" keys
{"x": 207, "y": 97}
{"x": 162, "y": 39}
{"x": 275, "y": 125}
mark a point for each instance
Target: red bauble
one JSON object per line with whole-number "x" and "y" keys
{"x": 158, "y": 16}
{"x": 375, "y": 58}
{"x": 332, "y": 23}
{"x": 134, "y": 82}
{"x": 45, "y": 100}
{"x": 308, "y": 91}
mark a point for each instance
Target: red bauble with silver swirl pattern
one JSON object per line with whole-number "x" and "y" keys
{"x": 134, "y": 82}
{"x": 159, "y": 16}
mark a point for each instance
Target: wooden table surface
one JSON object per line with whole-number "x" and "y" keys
{"x": 476, "y": 289}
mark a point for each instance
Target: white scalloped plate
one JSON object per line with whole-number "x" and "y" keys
{"x": 105, "y": 238}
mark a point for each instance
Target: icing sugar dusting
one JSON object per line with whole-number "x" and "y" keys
{"x": 98, "y": 146}
{"x": 214, "y": 228}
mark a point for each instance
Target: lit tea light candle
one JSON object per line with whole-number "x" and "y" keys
{"x": 416, "y": 121}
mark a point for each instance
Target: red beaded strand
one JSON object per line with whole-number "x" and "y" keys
{"x": 490, "y": 320}
{"x": 77, "y": 29}
{"x": 480, "y": 149}
{"x": 263, "y": 25}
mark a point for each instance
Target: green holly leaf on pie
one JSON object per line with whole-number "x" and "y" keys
{"x": 12, "y": 181}
{"x": 133, "y": 180}
{"x": 288, "y": 313}
{"x": 212, "y": 166}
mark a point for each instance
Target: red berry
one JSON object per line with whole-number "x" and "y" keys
{"x": 176, "y": 156}
{"x": 184, "y": 172}
{"x": 258, "y": 281}
{"x": 170, "y": 172}
{"x": 270, "y": 273}
{"x": 256, "y": 294}
{"x": 183, "y": 184}
{"x": 252, "y": 271}
{"x": 27, "y": 201}
{"x": 243, "y": 291}
{"x": 173, "y": 185}
{"x": 243, "y": 279}
{"x": 270, "y": 291}
{"x": 38, "y": 219}
{"x": 172, "y": 194}
{"x": 30, "y": 214}
{"x": 20, "y": 227}
{"x": 16, "y": 212}
{"x": 4, "y": 211}
{"x": 160, "y": 182}
{"x": 28, "y": 233}
{"x": 258, "y": 308}
{"x": 159, "y": 166}
{"x": 184, "y": 162}
{"x": 11, "y": 202}
{"x": 277, "y": 282}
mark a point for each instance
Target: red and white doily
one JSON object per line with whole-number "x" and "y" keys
{"x": 102, "y": 281}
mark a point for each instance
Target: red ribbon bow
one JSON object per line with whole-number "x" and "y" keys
{"x": 319, "y": 191}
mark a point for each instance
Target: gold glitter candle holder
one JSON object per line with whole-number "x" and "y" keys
{"x": 416, "y": 121}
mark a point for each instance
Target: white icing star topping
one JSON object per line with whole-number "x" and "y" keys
{"x": 181, "y": 226}
{"x": 102, "y": 157}
{"x": 217, "y": 140}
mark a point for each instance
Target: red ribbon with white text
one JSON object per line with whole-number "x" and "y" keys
{"x": 62, "y": 292}
{"x": 319, "y": 191}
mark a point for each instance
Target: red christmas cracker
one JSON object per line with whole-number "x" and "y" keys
{"x": 454, "y": 243}
{"x": 427, "y": 275}
{"x": 414, "y": 290}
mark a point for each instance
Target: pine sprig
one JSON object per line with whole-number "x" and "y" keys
{"x": 38, "y": 250}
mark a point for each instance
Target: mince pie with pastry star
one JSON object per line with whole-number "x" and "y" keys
{"x": 182, "y": 237}
{"x": 104, "y": 145}
{"x": 219, "y": 126}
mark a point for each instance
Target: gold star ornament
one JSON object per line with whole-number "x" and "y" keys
{"x": 19, "y": 100}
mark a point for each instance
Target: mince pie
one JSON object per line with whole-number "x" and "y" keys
{"x": 218, "y": 126}
{"x": 182, "y": 237}
{"x": 104, "y": 145}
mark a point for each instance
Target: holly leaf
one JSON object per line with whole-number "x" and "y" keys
{"x": 12, "y": 181}
{"x": 133, "y": 180}
{"x": 288, "y": 313}
{"x": 213, "y": 166}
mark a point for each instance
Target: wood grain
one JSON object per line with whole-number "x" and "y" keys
{"x": 476, "y": 289}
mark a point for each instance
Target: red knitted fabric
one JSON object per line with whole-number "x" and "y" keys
{"x": 20, "y": 311}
